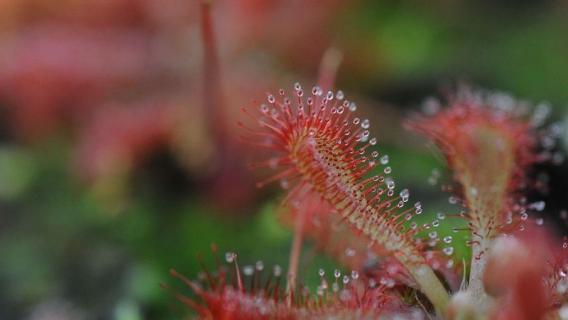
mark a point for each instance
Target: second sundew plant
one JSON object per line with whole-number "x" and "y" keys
{"x": 490, "y": 150}
{"x": 324, "y": 155}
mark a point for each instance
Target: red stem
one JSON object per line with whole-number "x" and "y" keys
{"x": 328, "y": 68}
{"x": 295, "y": 253}
{"x": 212, "y": 91}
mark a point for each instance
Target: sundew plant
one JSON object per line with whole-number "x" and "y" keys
{"x": 327, "y": 160}
{"x": 340, "y": 193}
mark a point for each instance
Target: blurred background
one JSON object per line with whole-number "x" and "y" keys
{"x": 117, "y": 163}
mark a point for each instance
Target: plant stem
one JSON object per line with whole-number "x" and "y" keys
{"x": 478, "y": 263}
{"x": 430, "y": 285}
{"x": 330, "y": 62}
{"x": 212, "y": 88}
{"x": 295, "y": 253}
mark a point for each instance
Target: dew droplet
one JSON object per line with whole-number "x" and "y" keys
{"x": 365, "y": 136}
{"x": 524, "y": 216}
{"x": 538, "y": 206}
{"x": 350, "y": 252}
{"x": 321, "y": 272}
{"x": 354, "y": 275}
{"x": 448, "y": 251}
{"x": 230, "y": 257}
{"x": 329, "y": 95}
{"x": 540, "y": 114}
{"x": 384, "y": 159}
{"x": 390, "y": 183}
{"x": 433, "y": 178}
{"x": 271, "y": 98}
{"x": 248, "y": 270}
{"x": 373, "y": 141}
{"x": 259, "y": 265}
{"x": 315, "y": 90}
{"x": 365, "y": 124}
{"x": 277, "y": 271}
{"x": 337, "y": 273}
{"x": 372, "y": 283}
{"x": 452, "y": 200}
{"x": 448, "y": 239}
{"x": 430, "y": 106}
{"x": 405, "y": 195}
{"x": 432, "y": 181}
{"x": 352, "y": 106}
{"x": 339, "y": 95}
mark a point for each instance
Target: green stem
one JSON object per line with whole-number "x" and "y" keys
{"x": 430, "y": 285}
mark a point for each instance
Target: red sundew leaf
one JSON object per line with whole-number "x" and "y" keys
{"x": 490, "y": 145}
{"x": 324, "y": 226}
{"x": 320, "y": 146}
{"x": 261, "y": 297}
{"x": 490, "y": 150}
